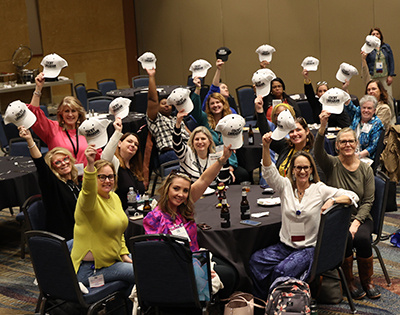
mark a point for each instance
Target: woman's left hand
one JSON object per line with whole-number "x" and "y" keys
{"x": 179, "y": 117}
{"x": 125, "y": 258}
{"x": 90, "y": 153}
{"x": 354, "y": 227}
{"x": 118, "y": 124}
{"x": 329, "y": 203}
{"x": 226, "y": 153}
{"x": 389, "y": 80}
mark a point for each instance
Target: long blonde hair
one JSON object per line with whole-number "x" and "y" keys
{"x": 225, "y": 111}
{"x": 185, "y": 209}
{"x": 58, "y": 150}
{"x": 73, "y": 103}
{"x": 211, "y": 148}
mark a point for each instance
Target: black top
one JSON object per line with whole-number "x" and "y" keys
{"x": 59, "y": 199}
{"x": 127, "y": 179}
{"x": 285, "y": 99}
{"x": 335, "y": 120}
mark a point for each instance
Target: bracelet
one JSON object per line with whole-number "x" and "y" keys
{"x": 38, "y": 93}
{"x": 220, "y": 162}
{"x": 334, "y": 200}
{"x": 33, "y": 145}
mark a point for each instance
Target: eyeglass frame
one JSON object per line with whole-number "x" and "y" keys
{"x": 64, "y": 160}
{"x": 103, "y": 177}
{"x": 300, "y": 168}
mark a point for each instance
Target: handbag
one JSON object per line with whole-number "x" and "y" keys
{"x": 241, "y": 303}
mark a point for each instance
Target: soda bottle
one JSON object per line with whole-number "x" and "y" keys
{"x": 225, "y": 216}
{"x": 251, "y": 135}
{"x": 146, "y": 206}
{"x": 244, "y": 206}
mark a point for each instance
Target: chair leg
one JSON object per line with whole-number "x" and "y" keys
{"x": 379, "y": 256}
{"x": 11, "y": 210}
{"x": 346, "y": 288}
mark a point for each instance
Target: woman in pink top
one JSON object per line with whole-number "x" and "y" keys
{"x": 64, "y": 131}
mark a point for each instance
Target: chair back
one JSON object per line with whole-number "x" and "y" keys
{"x": 332, "y": 239}
{"x": 3, "y": 137}
{"x": 190, "y": 81}
{"x": 18, "y": 147}
{"x": 93, "y": 93}
{"x": 53, "y": 267}
{"x": 80, "y": 93}
{"x": 306, "y": 111}
{"x": 100, "y": 104}
{"x": 379, "y": 149}
{"x": 245, "y": 96}
{"x": 106, "y": 85}
{"x": 139, "y": 102}
{"x": 164, "y": 271}
{"x": 378, "y": 208}
{"x": 34, "y": 213}
{"x": 45, "y": 110}
{"x": 140, "y": 80}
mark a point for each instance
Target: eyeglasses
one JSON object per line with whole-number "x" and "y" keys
{"x": 103, "y": 177}
{"x": 344, "y": 142}
{"x": 322, "y": 83}
{"x": 65, "y": 160}
{"x": 299, "y": 168}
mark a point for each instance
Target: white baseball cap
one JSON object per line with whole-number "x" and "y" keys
{"x": 199, "y": 68}
{"x": 231, "y": 128}
{"x": 265, "y": 52}
{"x": 371, "y": 42}
{"x": 52, "y": 65}
{"x": 345, "y": 72}
{"x": 284, "y": 124}
{"x": 310, "y": 63}
{"x": 95, "y": 131}
{"x": 19, "y": 114}
{"x": 180, "y": 98}
{"x": 148, "y": 60}
{"x": 119, "y": 107}
{"x": 333, "y": 100}
{"x": 262, "y": 80}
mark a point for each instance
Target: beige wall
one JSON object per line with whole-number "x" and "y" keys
{"x": 88, "y": 34}
{"x": 179, "y": 32}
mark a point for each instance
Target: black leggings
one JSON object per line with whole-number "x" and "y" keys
{"x": 361, "y": 241}
{"x": 241, "y": 175}
{"x": 228, "y": 275}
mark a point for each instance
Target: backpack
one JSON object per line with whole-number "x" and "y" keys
{"x": 289, "y": 297}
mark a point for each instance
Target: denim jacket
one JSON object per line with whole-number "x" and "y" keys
{"x": 387, "y": 52}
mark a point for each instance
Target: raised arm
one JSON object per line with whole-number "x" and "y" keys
{"x": 33, "y": 149}
{"x": 364, "y": 68}
{"x": 39, "y": 80}
{"x": 200, "y": 185}
{"x": 262, "y": 122}
{"x": 152, "y": 96}
{"x": 266, "y": 140}
{"x": 217, "y": 76}
{"x": 109, "y": 150}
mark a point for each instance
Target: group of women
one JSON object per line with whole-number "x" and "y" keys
{"x": 92, "y": 214}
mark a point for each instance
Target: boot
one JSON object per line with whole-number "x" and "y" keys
{"x": 356, "y": 291}
{"x": 365, "y": 271}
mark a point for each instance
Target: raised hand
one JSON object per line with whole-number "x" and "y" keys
{"x": 118, "y": 124}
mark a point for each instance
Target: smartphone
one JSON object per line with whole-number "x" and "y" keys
{"x": 268, "y": 191}
{"x": 250, "y": 222}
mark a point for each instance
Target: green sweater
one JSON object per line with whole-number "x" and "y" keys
{"x": 99, "y": 226}
{"x": 361, "y": 181}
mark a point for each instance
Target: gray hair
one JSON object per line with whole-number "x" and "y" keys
{"x": 369, "y": 98}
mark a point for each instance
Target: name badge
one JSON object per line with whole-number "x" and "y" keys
{"x": 214, "y": 156}
{"x": 297, "y": 231}
{"x": 96, "y": 281}
{"x": 379, "y": 66}
{"x": 180, "y": 231}
{"x": 79, "y": 167}
{"x": 219, "y": 148}
{"x": 366, "y": 128}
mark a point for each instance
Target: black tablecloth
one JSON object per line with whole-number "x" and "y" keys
{"x": 18, "y": 180}
{"x": 163, "y": 90}
{"x": 249, "y": 156}
{"x": 237, "y": 243}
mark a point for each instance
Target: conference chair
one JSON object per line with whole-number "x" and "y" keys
{"x": 245, "y": 96}
{"x": 164, "y": 274}
{"x": 100, "y": 104}
{"x": 331, "y": 245}
{"x": 306, "y": 111}
{"x": 58, "y": 283}
{"x": 106, "y": 85}
{"x": 140, "y": 80}
{"x": 139, "y": 103}
{"x": 80, "y": 93}
{"x": 190, "y": 81}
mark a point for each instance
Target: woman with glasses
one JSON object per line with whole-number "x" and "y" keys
{"x": 123, "y": 150}
{"x": 347, "y": 171}
{"x": 303, "y": 198}
{"x": 58, "y": 182}
{"x": 337, "y": 120}
{"x": 99, "y": 245}
{"x": 174, "y": 213}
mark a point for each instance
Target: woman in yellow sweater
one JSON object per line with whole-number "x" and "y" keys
{"x": 99, "y": 245}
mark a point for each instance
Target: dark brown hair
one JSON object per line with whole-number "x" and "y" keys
{"x": 310, "y": 137}
{"x": 136, "y": 162}
{"x": 315, "y": 176}
{"x": 384, "y": 97}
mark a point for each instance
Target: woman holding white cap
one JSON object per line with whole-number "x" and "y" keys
{"x": 337, "y": 120}
{"x": 58, "y": 181}
{"x": 366, "y": 124}
{"x": 123, "y": 150}
{"x": 216, "y": 108}
{"x": 63, "y": 132}
{"x": 347, "y": 171}
{"x": 199, "y": 153}
{"x": 303, "y": 198}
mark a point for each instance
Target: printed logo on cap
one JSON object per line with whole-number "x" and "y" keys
{"x": 148, "y": 60}
{"x": 19, "y": 114}
{"x": 231, "y": 128}
{"x": 199, "y": 68}
{"x": 119, "y": 107}
{"x": 52, "y": 65}
{"x": 95, "y": 131}
{"x": 333, "y": 100}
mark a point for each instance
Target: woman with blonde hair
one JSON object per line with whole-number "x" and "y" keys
{"x": 58, "y": 181}
{"x": 63, "y": 132}
{"x": 123, "y": 150}
{"x": 198, "y": 154}
{"x": 217, "y": 107}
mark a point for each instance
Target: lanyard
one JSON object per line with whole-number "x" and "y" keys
{"x": 77, "y": 142}
{"x": 74, "y": 188}
{"x": 199, "y": 165}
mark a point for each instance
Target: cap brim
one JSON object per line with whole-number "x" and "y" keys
{"x": 333, "y": 109}
{"x": 367, "y": 49}
{"x": 279, "y": 134}
{"x": 236, "y": 142}
{"x": 200, "y": 74}
{"x": 265, "y": 57}
{"x": 28, "y": 121}
{"x": 341, "y": 77}
{"x": 148, "y": 65}
{"x": 51, "y": 73}
{"x": 264, "y": 90}
{"x": 223, "y": 57}
{"x": 311, "y": 68}
{"x": 187, "y": 105}
{"x": 99, "y": 141}
{"x": 122, "y": 113}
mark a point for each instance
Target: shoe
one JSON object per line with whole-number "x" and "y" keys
{"x": 365, "y": 271}
{"x": 357, "y": 293}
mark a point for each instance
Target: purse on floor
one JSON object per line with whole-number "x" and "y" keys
{"x": 240, "y": 303}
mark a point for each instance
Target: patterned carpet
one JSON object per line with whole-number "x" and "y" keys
{"x": 18, "y": 294}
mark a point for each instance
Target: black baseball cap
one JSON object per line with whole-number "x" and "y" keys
{"x": 223, "y": 53}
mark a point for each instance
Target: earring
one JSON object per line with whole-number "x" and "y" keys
{"x": 311, "y": 177}
{"x": 294, "y": 178}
